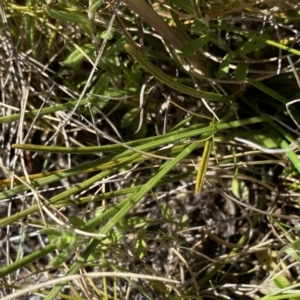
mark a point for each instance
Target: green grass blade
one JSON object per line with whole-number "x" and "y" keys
{"x": 169, "y": 81}
{"x": 27, "y": 260}
{"x": 130, "y": 202}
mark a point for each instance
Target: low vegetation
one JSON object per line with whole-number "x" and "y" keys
{"x": 149, "y": 149}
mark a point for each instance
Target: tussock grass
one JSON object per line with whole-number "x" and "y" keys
{"x": 149, "y": 150}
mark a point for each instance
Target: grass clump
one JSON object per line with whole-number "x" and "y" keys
{"x": 149, "y": 149}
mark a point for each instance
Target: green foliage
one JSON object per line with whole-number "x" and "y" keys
{"x": 121, "y": 179}
{"x": 191, "y": 47}
{"x": 129, "y": 117}
{"x": 64, "y": 239}
{"x": 293, "y": 250}
{"x": 200, "y": 26}
{"x": 78, "y": 55}
{"x": 241, "y": 71}
{"x": 249, "y": 46}
{"x": 224, "y": 66}
{"x": 69, "y": 13}
{"x": 76, "y": 222}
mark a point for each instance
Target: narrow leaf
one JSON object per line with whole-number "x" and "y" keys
{"x": 193, "y": 46}
{"x": 241, "y": 71}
